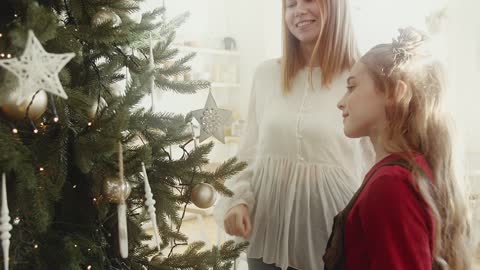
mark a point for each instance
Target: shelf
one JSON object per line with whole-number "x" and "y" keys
{"x": 224, "y": 85}
{"x": 229, "y": 141}
{"x": 232, "y": 140}
{"x": 207, "y": 50}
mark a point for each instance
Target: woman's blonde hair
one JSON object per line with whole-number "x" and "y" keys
{"x": 417, "y": 123}
{"x": 335, "y": 47}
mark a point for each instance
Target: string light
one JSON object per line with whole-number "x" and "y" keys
{"x": 94, "y": 200}
{"x": 14, "y": 131}
{"x": 35, "y": 246}
{"x": 89, "y": 124}
{"x": 89, "y": 267}
{"x": 9, "y": 55}
{"x": 15, "y": 15}
{"x": 41, "y": 169}
{"x": 16, "y": 221}
{"x": 75, "y": 245}
{"x": 35, "y": 130}
{"x": 55, "y": 119}
{"x": 1, "y": 35}
{"x": 74, "y": 186}
{"x": 2, "y": 55}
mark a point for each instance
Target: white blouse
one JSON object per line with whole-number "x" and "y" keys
{"x": 302, "y": 169}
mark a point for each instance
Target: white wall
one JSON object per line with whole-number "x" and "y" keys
{"x": 255, "y": 24}
{"x": 464, "y": 71}
{"x": 464, "y": 41}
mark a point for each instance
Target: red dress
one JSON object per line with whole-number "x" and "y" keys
{"x": 390, "y": 226}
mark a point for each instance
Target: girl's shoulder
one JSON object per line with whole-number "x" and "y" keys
{"x": 385, "y": 176}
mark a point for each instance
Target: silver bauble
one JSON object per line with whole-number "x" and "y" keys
{"x": 113, "y": 189}
{"x": 105, "y": 15}
{"x": 204, "y": 195}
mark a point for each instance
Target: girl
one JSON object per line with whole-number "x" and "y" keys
{"x": 301, "y": 169}
{"x": 410, "y": 216}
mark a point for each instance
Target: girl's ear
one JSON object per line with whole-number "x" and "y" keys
{"x": 401, "y": 90}
{"x": 399, "y": 93}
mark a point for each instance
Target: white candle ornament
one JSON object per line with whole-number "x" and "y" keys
{"x": 122, "y": 210}
{"x": 150, "y": 204}
{"x": 5, "y": 226}
{"x": 151, "y": 67}
{"x": 193, "y": 136}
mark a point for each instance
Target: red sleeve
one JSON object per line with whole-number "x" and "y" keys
{"x": 394, "y": 221}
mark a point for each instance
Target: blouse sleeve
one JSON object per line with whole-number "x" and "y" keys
{"x": 241, "y": 184}
{"x": 395, "y": 223}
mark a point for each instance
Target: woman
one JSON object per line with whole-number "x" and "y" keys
{"x": 302, "y": 169}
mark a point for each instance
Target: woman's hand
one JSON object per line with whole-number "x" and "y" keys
{"x": 237, "y": 221}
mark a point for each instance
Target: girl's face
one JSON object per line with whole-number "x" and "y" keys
{"x": 303, "y": 20}
{"x": 363, "y": 105}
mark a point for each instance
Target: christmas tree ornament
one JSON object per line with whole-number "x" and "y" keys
{"x": 104, "y": 16}
{"x": 204, "y": 195}
{"x": 95, "y": 108}
{"x": 36, "y": 103}
{"x": 114, "y": 190}
{"x": 151, "y": 67}
{"x": 37, "y": 69}
{"x": 5, "y": 226}
{"x": 122, "y": 209}
{"x": 157, "y": 260}
{"x": 194, "y": 138}
{"x": 212, "y": 120}
{"x": 150, "y": 204}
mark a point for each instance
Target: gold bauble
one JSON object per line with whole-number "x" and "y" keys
{"x": 157, "y": 260}
{"x": 92, "y": 112}
{"x": 113, "y": 189}
{"x": 18, "y": 111}
{"x": 204, "y": 195}
{"x": 104, "y": 16}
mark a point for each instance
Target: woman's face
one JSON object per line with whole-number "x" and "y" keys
{"x": 303, "y": 20}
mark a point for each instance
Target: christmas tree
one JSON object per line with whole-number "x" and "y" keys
{"x": 76, "y": 154}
